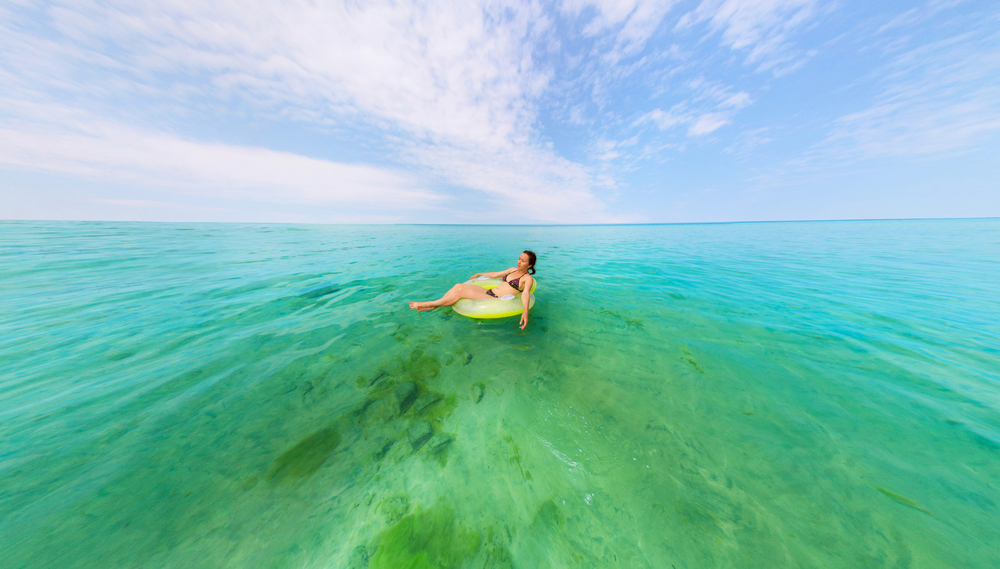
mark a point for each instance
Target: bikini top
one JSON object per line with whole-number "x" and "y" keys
{"x": 514, "y": 283}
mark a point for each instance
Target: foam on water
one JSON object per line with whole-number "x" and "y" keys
{"x": 747, "y": 395}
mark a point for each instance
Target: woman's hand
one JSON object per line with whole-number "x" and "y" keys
{"x": 475, "y": 276}
{"x": 524, "y": 319}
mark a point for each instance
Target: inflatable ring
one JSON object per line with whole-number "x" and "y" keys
{"x": 508, "y": 305}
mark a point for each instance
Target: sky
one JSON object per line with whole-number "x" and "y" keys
{"x": 499, "y": 112}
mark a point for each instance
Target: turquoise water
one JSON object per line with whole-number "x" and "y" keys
{"x": 746, "y": 395}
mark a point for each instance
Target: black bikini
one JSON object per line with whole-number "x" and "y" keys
{"x": 514, "y": 283}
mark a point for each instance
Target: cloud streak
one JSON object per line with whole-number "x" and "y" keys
{"x": 65, "y": 141}
{"x": 762, "y": 28}
{"x": 503, "y": 111}
{"x": 710, "y": 107}
{"x": 456, "y": 83}
{"x": 937, "y": 98}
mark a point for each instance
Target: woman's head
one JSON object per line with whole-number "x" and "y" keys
{"x": 526, "y": 262}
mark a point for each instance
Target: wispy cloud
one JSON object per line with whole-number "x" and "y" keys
{"x": 761, "y": 28}
{"x": 49, "y": 138}
{"x": 939, "y": 97}
{"x": 632, "y": 22}
{"x": 665, "y": 120}
{"x": 490, "y": 110}
{"x": 919, "y": 14}
{"x": 708, "y": 123}
{"x": 157, "y": 205}
{"x": 709, "y": 107}
{"x": 456, "y": 83}
{"x": 747, "y": 141}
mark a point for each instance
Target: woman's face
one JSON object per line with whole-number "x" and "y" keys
{"x": 523, "y": 262}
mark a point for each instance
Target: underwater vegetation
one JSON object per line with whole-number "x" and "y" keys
{"x": 423, "y": 366}
{"x": 634, "y": 322}
{"x": 306, "y": 456}
{"x": 903, "y": 500}
{"x": 428, "y": 539}
{"x": 687, "y": 357}
{"x": 394, "y": 508}
{"x": 398, "y": 405}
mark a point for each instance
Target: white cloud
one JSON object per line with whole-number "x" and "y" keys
{"x": 605, "y": 150}
{"x": 636, "y": 20}
{"x": 939, "y": 97}
{"x": 746, "y": 142}
{"x": 158, "y": 205}
{"x": 666, "y": 120}
{"x": 460, "y": 72}
{"x": 472, "y": 108}
{"x": 708, "y": 123}
{"x": 919, "y": 14}
{"x": 608, "y": 12}
{"x": 710, "y": 107}
{"x": 454, "y": 84}
{"x": 761, "y": 27}
{"x": 737, "y": 101}
{"x": 62, "y": 140}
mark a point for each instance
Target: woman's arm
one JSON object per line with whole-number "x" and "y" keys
{"x": 526, "y": 300}
{"x": 496, "y": 275}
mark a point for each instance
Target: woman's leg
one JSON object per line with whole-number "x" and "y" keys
{"x": 456, "y": 293}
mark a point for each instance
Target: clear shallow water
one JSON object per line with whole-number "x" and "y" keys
{"x": 748, "y": 395}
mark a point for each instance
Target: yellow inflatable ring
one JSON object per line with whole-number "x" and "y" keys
{"x": 503, "y": 307}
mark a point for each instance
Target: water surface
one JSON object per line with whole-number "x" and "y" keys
{"x": 744, "y": 395}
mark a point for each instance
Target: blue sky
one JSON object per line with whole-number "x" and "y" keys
{"x": 577, "y": 111}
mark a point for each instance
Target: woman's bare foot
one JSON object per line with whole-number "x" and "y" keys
{"x": 420, "y": 306}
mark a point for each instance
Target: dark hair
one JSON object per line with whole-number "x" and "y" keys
{"x": 531, "y": 261}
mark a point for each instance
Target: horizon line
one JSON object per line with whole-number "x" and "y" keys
{"x": 506, "y": 224}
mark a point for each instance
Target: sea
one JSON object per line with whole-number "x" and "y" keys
{"x": 801, "y": 394}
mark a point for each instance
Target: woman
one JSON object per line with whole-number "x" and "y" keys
{"x": 515, "y": 279}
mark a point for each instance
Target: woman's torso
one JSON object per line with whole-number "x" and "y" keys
{"x": 513, "y": 283}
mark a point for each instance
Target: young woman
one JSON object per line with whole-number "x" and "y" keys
{"x": 515, "y": 279}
